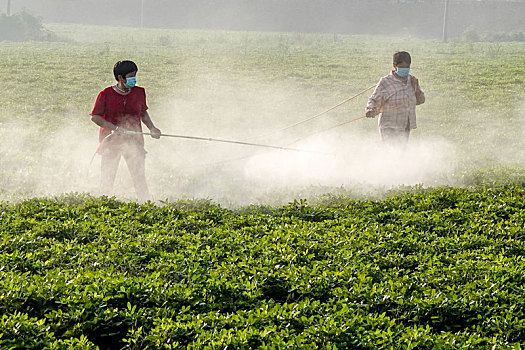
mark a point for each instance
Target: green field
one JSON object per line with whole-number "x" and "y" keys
{"x": 430, "y": 269}
{"x": 236, "y": 85}
{"x": 249, "y": 248}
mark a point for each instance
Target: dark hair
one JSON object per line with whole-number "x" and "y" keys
{"x": 123, "y": 68}
{"x": 402, "y": 56}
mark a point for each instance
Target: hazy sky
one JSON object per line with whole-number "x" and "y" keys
{"x": 421, "y": 18}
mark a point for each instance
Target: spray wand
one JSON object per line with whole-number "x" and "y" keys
{"x": 226, "y": 141}
{"x": 130, "y": 132}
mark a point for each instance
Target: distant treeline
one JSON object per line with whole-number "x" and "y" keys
{"x": 23, "y": 26}
{"x": 421, "y": 17}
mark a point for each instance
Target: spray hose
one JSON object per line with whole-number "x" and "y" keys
{"x": 317, "y": 115}
{"x": 330, "y": 128}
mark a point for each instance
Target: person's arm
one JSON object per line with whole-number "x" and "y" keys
{"x": 375, "y": 102}
{"x": 103, "y": 123}
{"x": 146, "y": 119}
{"x": 420, "y": 95}
{"x": 98, "y": 112}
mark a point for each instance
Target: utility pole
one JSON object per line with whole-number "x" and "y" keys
{"x": 445, "y": 22}
{"x": 9, "y": 7}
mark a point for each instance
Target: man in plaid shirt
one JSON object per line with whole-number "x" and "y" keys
{"x": 395, "y": 97}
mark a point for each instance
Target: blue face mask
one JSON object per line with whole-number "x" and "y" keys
{"x": 131, "y": 82}
{"x": 402, "y": 72}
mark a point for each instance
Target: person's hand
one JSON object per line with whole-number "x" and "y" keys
{"x": 370, "y": 114}
{"x": 118, "y": 131}
{"x": 155, "y": 132}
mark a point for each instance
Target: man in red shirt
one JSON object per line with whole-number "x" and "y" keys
{"x": 120, "y": 108}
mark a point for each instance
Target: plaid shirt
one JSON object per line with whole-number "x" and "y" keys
{"x": 396, "y": 100}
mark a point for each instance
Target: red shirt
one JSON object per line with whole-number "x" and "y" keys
{"x": 122, "y": 110}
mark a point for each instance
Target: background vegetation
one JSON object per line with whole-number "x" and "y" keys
{"x": 23, "y": 27}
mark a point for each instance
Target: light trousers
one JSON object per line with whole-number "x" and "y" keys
{"x": 395, "y": 138}
{"x": 135, "y": 158}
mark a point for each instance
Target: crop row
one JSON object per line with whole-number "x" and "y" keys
{"x": 429, "y": 268}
